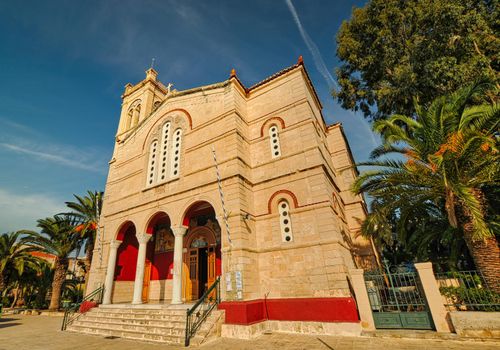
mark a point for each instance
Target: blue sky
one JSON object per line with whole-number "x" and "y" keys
{"x": 63, "y": 66}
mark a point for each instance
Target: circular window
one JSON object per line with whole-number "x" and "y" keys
{"x": 285, "y": 221}
{"x": 287, "y": 229}
{"x": 285, "y": 213}
{"x": 176, "y": 145}
{"x": 150, "y": 182}
{"x": 175, "y": 172}
{"x": 288, "y": 238}
{"x": 276, "y": 153}
{"x": 283, "y": 205}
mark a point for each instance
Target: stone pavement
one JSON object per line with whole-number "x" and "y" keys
{"x": 42, "y": 333}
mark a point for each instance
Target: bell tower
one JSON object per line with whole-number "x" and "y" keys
{"x": 139, "y": 101}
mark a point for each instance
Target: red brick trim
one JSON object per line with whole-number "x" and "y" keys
{"x": 285, "y": 192}
{"x": 280, "y": 120}
{"x": 293, "y": 309}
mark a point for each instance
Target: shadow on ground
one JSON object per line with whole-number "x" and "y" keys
{"x": 7, "y": 322}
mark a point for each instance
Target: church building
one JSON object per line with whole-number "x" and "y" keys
{"x": 247, "y": 186}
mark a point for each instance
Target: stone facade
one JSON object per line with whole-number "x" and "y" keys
{"x": 311, "y": 174}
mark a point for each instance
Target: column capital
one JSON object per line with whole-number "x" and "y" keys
{"x": 114, "y": 244}
{"x": 179, "y": 230}
{"x": 356, "y": 272}
{"x": 143, "y": 237}
{"x": 423, "y": 266}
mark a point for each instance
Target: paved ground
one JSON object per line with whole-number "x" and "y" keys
{"x": 42, "y": 332}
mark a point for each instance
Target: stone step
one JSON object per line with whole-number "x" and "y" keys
{"x": 141, "y": 311}
{"x": 175, "y": 330}
{"x": 133, "y": 335}
{"x": 135, "y": 321}
{"x": 138, "y": 316}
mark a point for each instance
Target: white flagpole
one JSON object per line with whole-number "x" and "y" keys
{"x": 219, "y": 183}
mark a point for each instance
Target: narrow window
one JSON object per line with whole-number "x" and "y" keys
{"x": 275, "y": 141}
{"x": 176, "y": 153}
{"x": 137, "y": 113}
{"x": 285, "y": 221}
{"x": 164, "y": 151}
{"x": 129, "y": 119}
{"x": 152, "y": 164}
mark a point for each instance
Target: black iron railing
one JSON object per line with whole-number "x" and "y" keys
{"x": 200, "y": 311}
{"x": 72, "y": 312}
{"x": 467, "y": 291}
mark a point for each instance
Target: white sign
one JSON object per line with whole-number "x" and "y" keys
{"x": 239, "y": 282}
{"x": 229, "y": 286}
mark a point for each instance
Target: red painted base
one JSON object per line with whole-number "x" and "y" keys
{"x": 298, "y": 309}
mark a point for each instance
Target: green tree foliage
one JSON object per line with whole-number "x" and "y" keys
{"x": 15, "y": 257}
{"x": 393, "y": 51}
{"x": 87, "y": 210}
{"x": 452, "y": 155}
{"x": 58, "y": 237}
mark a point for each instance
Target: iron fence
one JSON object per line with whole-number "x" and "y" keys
{"x": 394, "y": 292}
{"x": 467, "y": 291}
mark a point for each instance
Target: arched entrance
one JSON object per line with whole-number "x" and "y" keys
{"x": 125, "y": 266}
{"x": 202, "y": 250}
{"x": 159, "y": 258}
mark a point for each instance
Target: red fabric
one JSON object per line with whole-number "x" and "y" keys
{"x": 86, "y": 306}
{"x": 127, "y": 257}
{"x": 297, "y": 309}
{"x": 162, "y": 266}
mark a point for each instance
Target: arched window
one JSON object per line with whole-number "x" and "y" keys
{"x": 152, "y": 164}
{"x": 129, "y": 119}
{"x": 275, "y": 141}
{"x": 285, "y": 221}
{"x": 137, "y": 112}
{"x": 165, "y": 148}
{"x": 176, "y": 153}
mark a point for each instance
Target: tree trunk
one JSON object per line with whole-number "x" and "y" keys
{"x": 485, "y": 252}
{"x": 89, "y": 252}
{"x": 60, "y": 270}
{"x": 3, "y": 285}
{"x": 16, "y": 295}
{"x": 486, "y": 256}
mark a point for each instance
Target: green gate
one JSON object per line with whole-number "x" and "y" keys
{"x": 397, "y": 299}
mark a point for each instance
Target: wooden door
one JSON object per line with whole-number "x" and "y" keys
{"x": 211, "y": 269}
{"x": 145, "y": 283}
{"x": 193, "y": 272}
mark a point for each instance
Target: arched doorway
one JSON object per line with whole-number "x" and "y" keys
{"x": 202, "y": 250}
{"x": 159, "y": 258}
{"x": 124, "y": 274}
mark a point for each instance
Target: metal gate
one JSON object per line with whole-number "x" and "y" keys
{"x": 397, "y": 299}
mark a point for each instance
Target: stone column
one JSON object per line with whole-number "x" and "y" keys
{"x": 110, "y": 271}
{"x": 143, "y": 239}
{"x": 177, "y": 275}
{"x": 362, "y": 301}
{"x": 433, "y": 297}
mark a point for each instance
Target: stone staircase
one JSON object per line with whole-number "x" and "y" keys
{"x": 152, "y": 323}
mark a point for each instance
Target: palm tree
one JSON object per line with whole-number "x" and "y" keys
{"x": 451, "y": 151}
{"x": 14, "y": 257}
{"x": 59, "y": 238}
{"x": 87, "y": 209}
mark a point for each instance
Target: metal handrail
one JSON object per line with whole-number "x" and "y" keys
{"x": 203, "y": 308}
{"x": 71, "y": 314}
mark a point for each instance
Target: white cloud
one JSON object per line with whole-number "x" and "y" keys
{"x": 56, "y": 158}
{"x": 313, "y": 49}
{"x": 20, "y": 211}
